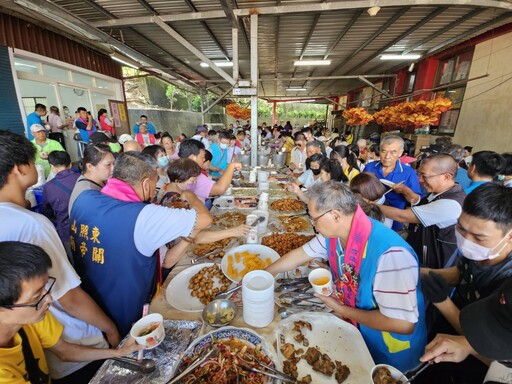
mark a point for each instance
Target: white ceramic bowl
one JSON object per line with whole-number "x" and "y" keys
{"x": 395, "y": 373}
{"x": 153, "y": 338}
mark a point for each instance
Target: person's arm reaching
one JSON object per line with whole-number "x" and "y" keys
{"x": 75, "y": 352}
{"x": 89, "y": 122}
{"x": 451, "y": 313}
{"x": 370, "y": 318}
{"x": 294, "y": 188}
{"x": 400, "y": 215}
{"x": 79, "y": 304}
{"x": 451, "y": 275}
{"x": 223, "y": 184}
{"x": 204, "y": 219}
{"x": 206, "y": 237}
{"x": 289, "y": 262}
{"x": 175, "y": 254}
{"x": 447, "y": 348}
{"x": 408, "y": 194}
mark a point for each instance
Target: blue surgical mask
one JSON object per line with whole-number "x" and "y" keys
{"x": 163, "y": 161}
{"x": 223, "y": 146}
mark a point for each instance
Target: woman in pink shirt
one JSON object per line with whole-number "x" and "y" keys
{"x": 105, "y": 123}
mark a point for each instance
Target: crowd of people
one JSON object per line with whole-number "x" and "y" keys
{"x": 420, "y": 247}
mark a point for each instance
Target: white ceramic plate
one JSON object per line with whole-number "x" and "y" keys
{"x": 263, "y": 251}
{"x": 388, "y": 183}
{"x": 179, "y": 295}
{"x": 337, "y": 338}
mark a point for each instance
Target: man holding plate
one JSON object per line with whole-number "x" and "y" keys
{"x": 375, "y": 274}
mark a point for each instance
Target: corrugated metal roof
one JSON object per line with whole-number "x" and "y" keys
{"x": 350, "y": 38}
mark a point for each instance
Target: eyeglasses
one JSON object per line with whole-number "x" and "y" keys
{"x": 424, "y": 177}
{"x": 315, "y": 219}
{"x": 40, "y": 302}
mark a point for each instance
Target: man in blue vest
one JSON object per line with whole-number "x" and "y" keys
{"x": 116, "y": 235}
{"x": 375, "y": 274}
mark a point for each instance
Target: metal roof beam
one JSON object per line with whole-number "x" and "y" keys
{"x": 368, "y": 41}
{"x": 145, "y": 4}
{"x": 310, "y": 35}
{"x": 451, "y": 25}
{"x": 472, "y": 31}
{"x": 180, "y": 39}
{"x": 303, "y": 78}
{"x": 368, "y": 82}
{"x": 301, "y": 8}
{"x": 228, "y": 10}
{"x": 208, "y": 30}
{"x": 343, "y": 33}
{"x": 410, "y": 31}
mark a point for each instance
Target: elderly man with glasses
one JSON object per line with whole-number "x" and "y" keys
{"x": 433, "y": 219}
{"x": 375, "y": 273}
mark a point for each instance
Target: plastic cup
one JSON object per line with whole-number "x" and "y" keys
{"x": 262, "y": 176}
{"x": 258, "y": 298}
{"x": 321, "y": 281}
{"x": 153, "y": 338}
{"x": 263, "y": 186}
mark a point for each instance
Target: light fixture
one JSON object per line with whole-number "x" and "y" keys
{"x": 218, "y": 64}
{"x": 411, "y": 67}
{"x": 311, "y": 62}
{"x": 300, "y": 101}
{"x": 400, "y": 57}
{"x": 372, "y": 11}
{"x": 296, "y": 89}
{"x": 124, "y": 60}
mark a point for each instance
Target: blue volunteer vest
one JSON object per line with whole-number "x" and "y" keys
{"x": 116, "y": 275}
{"x": 400, "y": 351}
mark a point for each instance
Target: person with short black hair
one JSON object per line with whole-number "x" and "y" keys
{"x": 158, "y": 153}
{"x": 484, "y": 168}
{"x": 116, "y": 236}
{"x": 84, "y": 321}
{"x": 144, "y": 120}
{"x": 85, "y": 123}
{"x": 484, "y": 248}
{"x": 308, "y": 134}
{"x": 467, "y": 154}
{"x": 106, "y": 124}
{"x": 298, "y": 154}
{"x": 36, "y": 117}
{"x": 220, "y": 154}
{"x": 507, "y": 170}
{"x": 27, "y": 329}
{"x": 205, "y": 187}
{"x": 56, "y": 194}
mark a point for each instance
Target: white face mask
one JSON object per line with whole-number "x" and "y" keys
{"x": 477, "y": 252}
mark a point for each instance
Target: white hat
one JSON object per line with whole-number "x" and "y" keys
{"x": 36, "y": 128}
{"x": 124, "y": 138}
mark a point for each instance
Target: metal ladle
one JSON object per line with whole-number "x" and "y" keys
{"x": 144, "y": 365}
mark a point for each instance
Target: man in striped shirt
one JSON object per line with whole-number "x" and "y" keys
{"x": 375, "y": 272}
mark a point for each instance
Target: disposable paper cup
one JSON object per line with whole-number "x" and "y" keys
{"x": 250, "y": 219}
{"x": 258, "y": 282}
{"x": 155, "y": 337}
{"x": 321, "y": 280}
{"x": 262, "y": 226}
{"x": 395, "y": 373}
{"x": 252, "y": 177}
{"x": 262, "y": 176}
{"x": 263, "y": 186}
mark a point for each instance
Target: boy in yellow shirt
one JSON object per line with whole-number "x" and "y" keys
{"x": 26, "y": 326}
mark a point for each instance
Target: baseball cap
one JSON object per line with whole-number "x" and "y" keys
{"x": 200, "y": 128}
{"x": 487, "y": 323}
{"x": 98, "y": 138}
{"x": 124, "y": 138}
{"x": 37, "y": 128}
{"x": 433, "y": 148}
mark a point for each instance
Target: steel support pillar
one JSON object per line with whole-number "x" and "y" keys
{"x": 202, "y": 106}
{"x": 254, "y": 83}
{"x": 234, "y": 38}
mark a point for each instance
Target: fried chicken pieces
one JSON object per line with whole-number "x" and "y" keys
{"x": 320, "y": 362}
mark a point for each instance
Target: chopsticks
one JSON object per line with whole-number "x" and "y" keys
{"x": 191, "y": 367}
{"x": 274, "y": 373}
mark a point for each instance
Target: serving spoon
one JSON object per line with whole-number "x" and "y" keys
{"x": 144, "y": 365}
